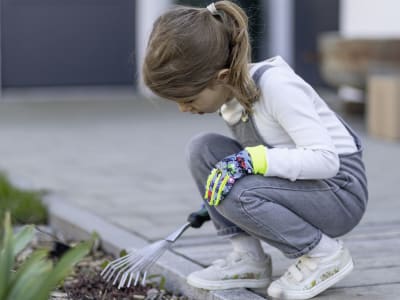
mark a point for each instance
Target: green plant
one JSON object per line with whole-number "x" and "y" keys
{"x": 37, "y": 276}
{"x": 26, "y": 207}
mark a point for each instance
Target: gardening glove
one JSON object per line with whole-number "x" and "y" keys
{"x": 251, "y": 160}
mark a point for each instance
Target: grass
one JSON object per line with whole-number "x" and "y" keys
{"x": 26, "y": 206}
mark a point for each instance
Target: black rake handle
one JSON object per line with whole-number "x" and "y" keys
{"x": 197, "y": 218}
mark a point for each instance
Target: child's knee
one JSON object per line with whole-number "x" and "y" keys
{"x": 197, "y": 144}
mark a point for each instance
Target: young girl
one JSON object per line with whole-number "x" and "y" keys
{"x": 292, "y": 177}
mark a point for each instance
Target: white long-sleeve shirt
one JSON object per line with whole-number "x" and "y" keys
{"x": 305, "y": 135}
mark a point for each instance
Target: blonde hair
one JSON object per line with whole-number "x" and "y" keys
{"x": 188, "y": 47}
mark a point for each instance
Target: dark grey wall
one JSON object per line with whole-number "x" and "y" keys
{"x": 311, "y": 18}
{"x": 67, "y": 42}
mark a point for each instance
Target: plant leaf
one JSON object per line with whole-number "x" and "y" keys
{"x": 25, "y": 292}
{"x": 26, "y": 266}
{"x": 31, "y": 273}
{"x": 62, "y": 269}
{"x": 162, "y": 283}
{"x": 22, "y": 238}
{"x": 6, "y": 256}
{"x": 123, "y": 253}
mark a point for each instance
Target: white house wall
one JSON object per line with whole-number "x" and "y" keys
{"x": 280, "y": 15}
{"x": 147, "y": 12}
{"x": 370, "y": 18}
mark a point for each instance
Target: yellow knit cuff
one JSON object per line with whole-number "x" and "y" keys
{"x": 259, "y": 159}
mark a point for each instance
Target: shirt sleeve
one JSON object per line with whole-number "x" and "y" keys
{"x": 291, "y": 104}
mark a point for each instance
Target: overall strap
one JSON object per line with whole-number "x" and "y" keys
{"x": 259, "y": 72}
{"x": 245, "y": 130}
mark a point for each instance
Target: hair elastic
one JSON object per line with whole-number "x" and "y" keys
{"x": 213, "y": 10}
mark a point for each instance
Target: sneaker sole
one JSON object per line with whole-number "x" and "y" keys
{"x": 228, "y": 284}
{"x": 324, "y": 285}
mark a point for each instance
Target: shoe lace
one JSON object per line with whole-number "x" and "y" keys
{"x": 303, "y": 265}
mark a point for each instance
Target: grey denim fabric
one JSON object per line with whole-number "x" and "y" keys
{"x": 287, "y": 215}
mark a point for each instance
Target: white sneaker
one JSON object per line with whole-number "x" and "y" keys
{"x": 239, "y": 269}
{"x": 310, "y": 276}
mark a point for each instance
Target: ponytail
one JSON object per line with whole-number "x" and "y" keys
{"x": 239, "y": 78}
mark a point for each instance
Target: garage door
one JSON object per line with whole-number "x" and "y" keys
{"x": 67, "y": 42}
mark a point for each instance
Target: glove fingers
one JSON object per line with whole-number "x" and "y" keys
{"x": 221, "y": 190}
{"x": 225, "y": 174}
{"x": 218, "y": 186}
{"x": 214, "y": 188}
{"x": 209, "y": 184}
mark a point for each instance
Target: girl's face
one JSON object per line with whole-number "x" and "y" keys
{"x": 208, "y": 101}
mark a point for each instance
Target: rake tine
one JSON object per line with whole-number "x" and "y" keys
{"x": 130, "y": 279}
{"x": 155, "y": 258}
{"x": 134, "y": 268}
{"x": 137, "y": 278}
{"x": 134, "y": 260}
{"x": 151, "y": 262}
{"x": 129, "y": 272}
{"x": 105, "y": 270}
{"x": 121, "y": 266}
{"x": 110, "y": 275}
{"x": 144, "y": 278}
{"x": 143, "y": 265}
{"x": 146, "y": 265}
{"x": 121, "y": 271}
{"x": 137, "y": 266}
{"x": 114, "y": 266}
{"x": 116, "y": 263}
{"x": 116, "y": 278}
{"x": 122, "y": 281}
{"x": 119, "y": 261}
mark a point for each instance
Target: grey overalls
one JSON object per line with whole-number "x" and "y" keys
{"x": 287, "y": 215}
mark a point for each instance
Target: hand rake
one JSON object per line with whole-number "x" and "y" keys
{"x": 137, "y": 263}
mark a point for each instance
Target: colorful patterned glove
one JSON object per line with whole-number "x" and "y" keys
{"x": 252, "y": 160}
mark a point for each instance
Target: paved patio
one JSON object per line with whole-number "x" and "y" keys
{"x": 109, "y": 152}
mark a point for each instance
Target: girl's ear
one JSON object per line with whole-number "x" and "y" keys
{"x": 223, "y": 75}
